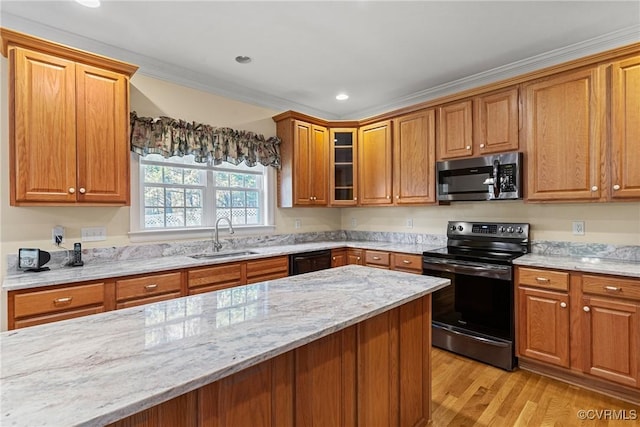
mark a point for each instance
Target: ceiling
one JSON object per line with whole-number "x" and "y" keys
{"x": 384, "y": 54}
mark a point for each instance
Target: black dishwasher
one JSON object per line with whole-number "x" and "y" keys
{"x": 307, "y": 262}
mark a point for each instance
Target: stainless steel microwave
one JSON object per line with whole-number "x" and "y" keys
{"x": 495, "y": 177}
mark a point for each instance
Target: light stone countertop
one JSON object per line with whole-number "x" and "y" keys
{"x": 98, "y": 369}
{"x": 584, "y": 264}
{"x": 105, "y": 270}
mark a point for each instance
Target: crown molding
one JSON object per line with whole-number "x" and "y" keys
{"x": 568, "y": 53}
{"x": 200, "y": 81}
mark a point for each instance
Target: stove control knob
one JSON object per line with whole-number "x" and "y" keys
{"x": 519, "y": 230}
{"x": 453, "y": 228}
{"x": 510, "y": 230}
{"x": 460, "y": 228}
{"x": 502, "y": 229}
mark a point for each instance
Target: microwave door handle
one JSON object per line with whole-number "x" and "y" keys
{"x": 496, "y": 178}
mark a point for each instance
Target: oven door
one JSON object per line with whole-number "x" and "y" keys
{"x": 474, "y": 315}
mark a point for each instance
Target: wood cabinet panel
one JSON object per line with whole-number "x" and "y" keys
{"x": 563, "y": 132}
{"x": 267, "y": 269}
{"x": 355, "y": 256}
{"x": 216, "y": 277}
{"x": 178, "y": 412}
{"x": 625, "y": 132}
{"x": 148, "y": 286}
{"x": 375, "y": 164}
{"x": 60, "y": 299}
{"x": 148, "y": 300}
{"x": 414, "y": 149}
{"x": 102, "y": 135}
{"x": 43, "y": 128}
{"x": 455, "y": 130}
{"x": 325, "y": 387}
{"x": 311, "y": 164}
{"x": 54, "y": 317}
{"x": 377, "y": 259}
{"x": 543, "y": 324}
{"x": 610, "y": 332}
{"x": 338, "y": 257}
{"x": 540, "y": 278}
{"x": 611, "y": 287}
{"x": 406, "y": 262}
{"x": 495, "y": 122}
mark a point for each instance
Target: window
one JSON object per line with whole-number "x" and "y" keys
{"x": 180, "y": 194}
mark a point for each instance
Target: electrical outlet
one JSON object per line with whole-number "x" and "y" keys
{"x": 354, "y": 223}
{"x": 57, "y": 235}
{"x": 298, "y": 223}
{"x": 578, "y": 228}
{"x": 93, "y": 234}
{"x": 409, "y": 223}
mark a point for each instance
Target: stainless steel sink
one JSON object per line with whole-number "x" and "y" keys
{"x": 222, "y": 255}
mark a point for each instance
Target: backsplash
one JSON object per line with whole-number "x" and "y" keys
{"x": 156, "y": 250}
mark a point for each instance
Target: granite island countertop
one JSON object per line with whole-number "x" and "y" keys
{"x": 105, "y": 270}
{"x": 583, "y": 264}
{"x": 101, "y": 368}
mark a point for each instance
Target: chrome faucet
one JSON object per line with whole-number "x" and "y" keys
{"x": 216, "y": 242}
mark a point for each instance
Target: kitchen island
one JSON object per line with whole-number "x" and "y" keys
{"x": 346, "y": 346}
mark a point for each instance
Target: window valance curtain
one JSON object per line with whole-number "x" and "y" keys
{"x": 172, "y": 137}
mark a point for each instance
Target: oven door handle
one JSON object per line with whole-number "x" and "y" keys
{"x": 474, "y": 337}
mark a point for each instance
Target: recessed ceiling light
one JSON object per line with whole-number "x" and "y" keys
{"x": 342, "y": 97}
{"x": 89, "y": 3}
{"x": 243, "y": 59}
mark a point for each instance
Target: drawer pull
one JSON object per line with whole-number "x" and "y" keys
{"x": 612, "y": 289}
{"x": 150, "y": 287}
{"x": 62, "y": 301}
{"x": 563, "y": 304}
{"x": 377, "y": 258}
{"x": 334, "y": 258}
{"x": 358, "y": 258}
{"x": 543, "y": 279}
{"x": 406, "y": 261}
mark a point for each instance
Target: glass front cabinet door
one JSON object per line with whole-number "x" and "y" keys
{"x": 343, "y": 166}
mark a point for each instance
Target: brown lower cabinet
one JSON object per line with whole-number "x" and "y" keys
{"x": 583, "y": 328}
{"x": 376, "y": 372}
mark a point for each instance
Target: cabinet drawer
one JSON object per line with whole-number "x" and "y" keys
{"x": 148, "y": 300}
{"x": 407, "y": 262}
{"x": 217, "y": 277}
{"x": 377, "y": 258}
{"x": 56, "y": 317}
{"x": 543, "y": 278}
{"x": 612, "y": 287}
{"x": 271, "y": 268}
{"x": 147, "y": 286}
{"x": 56, "y": 300}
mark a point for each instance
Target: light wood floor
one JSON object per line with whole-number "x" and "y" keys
{"x": 467, "y": 393}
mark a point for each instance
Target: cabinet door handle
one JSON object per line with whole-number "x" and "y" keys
{"x": 542, "y": 279}
{"x": 468, "y": 147}
{"x": 612, "y": 289}
{"x": 62, "y": 301}
{"x": 481, "y": 145}
{"x": 616, "y": 187}
{"x": 563, "y": 304}
{"x": 358, "y": 258}
{"x": 397, "y": 197}
{"x": 72, "y": 190}
{"x": 355, "y": 198}
{"x": 377, "y": 258}
{"x": 388, "y": 197}
{"x": 82, "y": 190}
{"x": 150, "y": 287}
{"x": 586, "y": 309}
{"x": 594, "y": 188}
{"x": 333, "y": 258}
{"x": 406, "y": 261}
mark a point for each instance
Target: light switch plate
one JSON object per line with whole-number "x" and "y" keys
{"x": 93, "y": 234}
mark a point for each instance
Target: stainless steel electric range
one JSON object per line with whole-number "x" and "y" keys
{"x": 474, "y": 316}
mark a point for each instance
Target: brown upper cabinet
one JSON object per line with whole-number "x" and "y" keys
{"x": 68, "y": 124}
{"x": 375, "y": 164}
{"x": 562, "y": 135}
{"x": 625, "y": 129}
{"x": 343, "y": 181}
{"x": 304, "y": 176}
{"x": 485, "y": 124}
{"x": 414, "y": 152}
